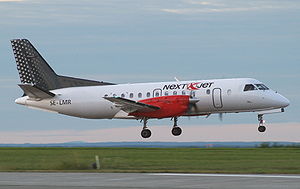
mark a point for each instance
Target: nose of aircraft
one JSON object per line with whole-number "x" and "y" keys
{"x": 282, "y": 101}
{"x": 276, "y": 100}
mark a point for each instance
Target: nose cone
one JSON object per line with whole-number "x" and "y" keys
{"x": 21, "y": 101}
{"x": 284, "y": 102}
{"x": 281, "y": 101}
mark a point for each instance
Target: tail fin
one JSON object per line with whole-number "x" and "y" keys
{"x": 34, "y": 70}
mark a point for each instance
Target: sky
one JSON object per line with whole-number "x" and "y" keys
{"x": 145, "y": 41}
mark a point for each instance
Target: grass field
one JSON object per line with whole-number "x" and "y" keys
{"x": 189, "y": 160}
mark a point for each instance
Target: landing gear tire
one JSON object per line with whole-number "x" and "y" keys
{"x": 261, "y": 128}
{"x": 146, "y": 133}
{"x": 176, "y": 131}
{"x": 261, "y": 120}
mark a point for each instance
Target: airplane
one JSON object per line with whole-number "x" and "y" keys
{"x": 44, "y": 89}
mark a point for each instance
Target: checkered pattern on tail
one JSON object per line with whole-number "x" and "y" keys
{"x": 32, "y": 68}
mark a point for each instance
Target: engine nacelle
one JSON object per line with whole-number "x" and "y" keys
{"x": 170, "y": 106}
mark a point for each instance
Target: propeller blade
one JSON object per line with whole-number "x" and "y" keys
{"x": 221, "y": 116}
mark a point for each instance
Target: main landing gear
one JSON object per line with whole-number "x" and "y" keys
{"x": 176, "y": 131}
{"x": 261, "y": 127}
{"x": 146, "y": 133}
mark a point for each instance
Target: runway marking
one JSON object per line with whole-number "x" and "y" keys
{"x": 227, "y": 175}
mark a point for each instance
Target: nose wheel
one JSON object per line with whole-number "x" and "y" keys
{"x": 176, "y": 131}
{"x": 146, "y": 133}
{"x": 261, "y": 127}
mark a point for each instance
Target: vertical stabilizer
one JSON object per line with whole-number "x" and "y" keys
{"x": 33, "y": 69}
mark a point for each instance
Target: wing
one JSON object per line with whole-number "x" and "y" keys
{"x": 130, "y": 106}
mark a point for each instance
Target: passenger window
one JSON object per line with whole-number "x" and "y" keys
{"x": 131, "y": 95}
{"x": 193, "y": 94}
{"x": 249, "y": 87}
{"x": 261, "y": 87}
{"x": 229, "y": 92}
{"x": 148, "y": 94}
{"x": 122, "y": 95}
{"x": 166, "y": 93}
{"x": 157, "y": 94}
{"x": 106, "y": 95}
{"x": 208, "y": 91}
{"x": 174, "y": 92}
{"x": 183, "y": 92}
{"x": 140, "y": 95}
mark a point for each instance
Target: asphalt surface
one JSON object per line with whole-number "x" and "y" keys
{"x": 141, "y": 180}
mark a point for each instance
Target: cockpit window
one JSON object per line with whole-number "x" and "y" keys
{"x": 261, "y": 87}
{"x": 249, "y": 87}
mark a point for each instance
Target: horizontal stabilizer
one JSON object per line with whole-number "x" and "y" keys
{"x": 130, "y": 106}
{"x": 36, "y": 92}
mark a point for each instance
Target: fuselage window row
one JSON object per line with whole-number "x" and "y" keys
{"x": 148, "y": 94}
{"x": 157, "y": 94}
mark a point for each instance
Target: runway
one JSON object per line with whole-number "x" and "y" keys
{"x": 144, "y": 180}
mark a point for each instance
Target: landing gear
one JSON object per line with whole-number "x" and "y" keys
{"x": 261, "y": 127}
{"x": 146, "y": 133}
{"x": 176, "y": 131}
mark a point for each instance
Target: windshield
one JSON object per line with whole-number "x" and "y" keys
{"x": 249, "y": 87}
{"x": 261, "y": 87}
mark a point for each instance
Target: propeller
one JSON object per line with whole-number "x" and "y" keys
{"x": 192, "y": 104}
{"x": 221, "y": 116}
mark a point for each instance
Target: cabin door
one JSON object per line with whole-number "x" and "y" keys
{"x": 217, "y": 98}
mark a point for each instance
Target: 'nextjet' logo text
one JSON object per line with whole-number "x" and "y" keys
{"x": 189, "y": 86}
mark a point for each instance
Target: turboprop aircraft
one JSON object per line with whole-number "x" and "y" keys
{"x": 44, "y": 89}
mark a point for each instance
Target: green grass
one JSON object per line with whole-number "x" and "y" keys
{"x": 189, "y": 160}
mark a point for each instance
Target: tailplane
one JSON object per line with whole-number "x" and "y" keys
{"x": 35, "y": 92}
{"x": 34, "y": 70}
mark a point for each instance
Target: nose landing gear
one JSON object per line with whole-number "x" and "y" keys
{"x": 176, "y": 131}
{"x": 261, "y": 127}
{"x": 146, "y": 133}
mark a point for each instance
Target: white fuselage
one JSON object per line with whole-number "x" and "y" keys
{"x": 214, "y": 96}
